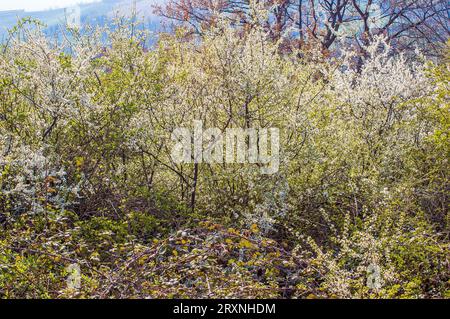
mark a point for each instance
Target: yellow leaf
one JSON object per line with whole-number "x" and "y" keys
{"x": 79, "y": 161}
{"x": 245, "y": 244}
{"x": 254, "y": 228}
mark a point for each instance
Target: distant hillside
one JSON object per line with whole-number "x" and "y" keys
{"x": 97, "y": 13}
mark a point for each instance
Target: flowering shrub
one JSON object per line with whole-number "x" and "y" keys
{"x": 358, "y": 207}
{"x": 377, "y": 256}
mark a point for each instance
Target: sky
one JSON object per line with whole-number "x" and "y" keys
{"x": 36, "y": 5}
